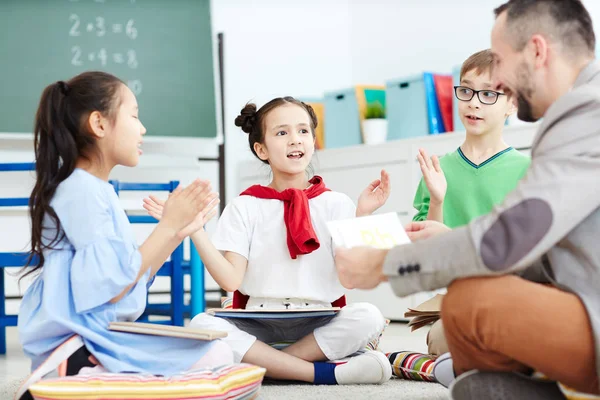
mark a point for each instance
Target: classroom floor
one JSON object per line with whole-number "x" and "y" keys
{"x": 14, "y": 366}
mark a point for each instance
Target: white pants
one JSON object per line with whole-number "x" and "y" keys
{"x": 338, "y": 336}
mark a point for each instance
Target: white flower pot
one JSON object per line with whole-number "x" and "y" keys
{"x": 374, "y": 130}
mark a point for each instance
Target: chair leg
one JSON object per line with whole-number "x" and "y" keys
{"x": 3, "y": 320}
{"x": 177, "y": 287}
{"x": 145, "y": 317}
{"x": 198, "y": 287}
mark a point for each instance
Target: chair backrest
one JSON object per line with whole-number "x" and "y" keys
{"x": 143, "y": 187}
{"x": 15, "y": 259}
{"x": 5, "y": 167}
{"x": 13, "y": 167}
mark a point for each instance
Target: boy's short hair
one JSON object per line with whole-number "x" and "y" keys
{"x": 481, "y": 62}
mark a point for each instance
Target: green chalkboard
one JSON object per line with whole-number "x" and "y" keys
{"x": 163, "y": 49}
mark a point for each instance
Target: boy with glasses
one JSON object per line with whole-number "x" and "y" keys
{"x": 468, "y": 182}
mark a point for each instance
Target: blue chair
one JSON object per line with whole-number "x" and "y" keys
{"x": 11, "y": 259}
{"x": 175, "y": 268}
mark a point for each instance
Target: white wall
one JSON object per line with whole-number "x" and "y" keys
{"x": 308, "y": 47}
{"x": 392, "y": 39}
{"x": 276, "y": 48}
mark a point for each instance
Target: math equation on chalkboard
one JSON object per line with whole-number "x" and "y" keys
{"x": 97, "y": 1}
{"x": 99, "y": 56}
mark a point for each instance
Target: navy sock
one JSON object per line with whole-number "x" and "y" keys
{"x": 325, "y": 373}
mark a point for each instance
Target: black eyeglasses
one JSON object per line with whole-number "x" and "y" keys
{"x": 487, "y": 97}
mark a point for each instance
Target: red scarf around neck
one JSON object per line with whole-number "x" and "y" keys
{"x": 301, "y": 236}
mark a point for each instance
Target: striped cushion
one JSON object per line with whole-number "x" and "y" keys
{"x": 238, "y": 381}
{"x": 412, "y": 366}
{"x": 226, "y": 302}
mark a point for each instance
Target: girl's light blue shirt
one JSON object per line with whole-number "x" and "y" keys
{"x": 94, "y": 262}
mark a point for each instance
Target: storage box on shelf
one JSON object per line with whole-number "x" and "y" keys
{"x": 344, "y": 111}
{"x": 458, "y": 125}
{"x": 318, "y": 105}
{"x": 406, "y": 107}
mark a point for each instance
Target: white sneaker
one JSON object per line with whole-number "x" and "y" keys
{"x": 371, "y": 367}
{"x": 443, "y": 369}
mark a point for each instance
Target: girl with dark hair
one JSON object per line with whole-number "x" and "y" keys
{"x": 91, "y": 271}
{"x": 273, "y": 249}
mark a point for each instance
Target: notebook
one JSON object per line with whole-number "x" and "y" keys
{"x": 166, "y": 330}
{"x": 273, "y": 313}
{"x": 425, "y": 313}
{"x": 382, "y": 231}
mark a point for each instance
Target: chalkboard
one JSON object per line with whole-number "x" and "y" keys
{"x": 161, "y": 48}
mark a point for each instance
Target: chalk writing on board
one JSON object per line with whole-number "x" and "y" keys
{"x": 103, "y": 57}
{"x": 76, "y": 52}
{"x": 75, "y": 27}
{"x": 100, "y": 27}
{"x": 130, "y": 30}
{"x": 98, "y": 1}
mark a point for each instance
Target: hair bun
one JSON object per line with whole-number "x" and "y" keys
{"x": 247, "y": 118}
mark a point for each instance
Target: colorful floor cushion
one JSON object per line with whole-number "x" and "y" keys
{"x": 412, "y": 366}
{"x": 238, "y": 381}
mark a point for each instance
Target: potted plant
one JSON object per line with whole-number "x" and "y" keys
{"x": 374, "y": 125}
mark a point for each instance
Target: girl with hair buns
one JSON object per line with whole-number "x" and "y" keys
{"x": 273, "y": 250}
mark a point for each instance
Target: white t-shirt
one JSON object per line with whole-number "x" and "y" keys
{"x": 255, "y": 229}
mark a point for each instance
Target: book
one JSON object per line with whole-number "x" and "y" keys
{"x": 445, "y": 95}
{"x": 166, "y": 330}
{"x": 273, "y": 313}
{"x": 425, "y": 313}
{"x": 434, "y": 115}
{"x": 382, "y": 231}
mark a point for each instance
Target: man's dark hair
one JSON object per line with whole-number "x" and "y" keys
{"x": 564, "y": 21}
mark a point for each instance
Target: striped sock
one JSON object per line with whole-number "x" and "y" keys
{"x": 412, "y": 366}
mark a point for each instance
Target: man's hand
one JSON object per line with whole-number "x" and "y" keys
{"x": 360, "y": 267}
{"x": 425, "y": 229}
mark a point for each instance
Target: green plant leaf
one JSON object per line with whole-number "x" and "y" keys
{"x": 375, "y": 110}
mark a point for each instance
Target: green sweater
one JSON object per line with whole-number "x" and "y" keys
{"x": 473, "y": 189}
